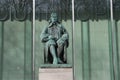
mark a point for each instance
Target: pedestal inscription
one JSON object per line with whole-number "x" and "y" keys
{"x": 55, "y": 74}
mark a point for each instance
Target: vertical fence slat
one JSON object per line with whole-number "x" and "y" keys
{"x": 1, "y": 49}
{"x": 28, "y": 51}
{"x": 113, "y": 52}
{"x": 85, "y": 50}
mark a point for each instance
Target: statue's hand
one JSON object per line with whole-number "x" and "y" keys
{"x": 65, "y": 36}
{"x": 52, "y": 23}
{"x": 60, "y": 42}
{"x": 51, "y": 37}
{"x": 51, "y": 42}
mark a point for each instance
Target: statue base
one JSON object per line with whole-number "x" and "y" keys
{"x": 56, "y": 66}
{"x": 55, "y": 72}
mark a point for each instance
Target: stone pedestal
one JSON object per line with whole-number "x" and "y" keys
{"x": 55, "y": 74}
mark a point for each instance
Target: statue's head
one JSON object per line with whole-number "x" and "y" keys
{"x": 53, "y": 17}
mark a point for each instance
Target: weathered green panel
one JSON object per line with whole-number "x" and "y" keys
{"x": 99, "y": 49}
{"x": 85, "y": 50}
{"x": 110, "y": 50}
{"x": 28, "y": 51}
{"x": 78, "y": 51}
{"x": 114, "y": 50}
{"x": 13, "y": 58}
{"x": 17, "y": 58}
{"x": 39, "y": 54}
{"x": 1, "y": 49}
{"x": 118, "y": 35}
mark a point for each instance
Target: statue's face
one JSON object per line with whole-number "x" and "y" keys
{"x": 54, "y": 18}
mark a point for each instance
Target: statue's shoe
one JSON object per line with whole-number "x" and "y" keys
{"x": 55, "y": 61}
{"x": 60, "y": 61}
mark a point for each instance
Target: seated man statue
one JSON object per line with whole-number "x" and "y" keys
{"x": 55, "y": 38}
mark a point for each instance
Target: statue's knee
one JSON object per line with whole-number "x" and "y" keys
{"x": 60, "y": 45}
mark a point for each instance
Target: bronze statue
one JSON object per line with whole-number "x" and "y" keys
{"x": 56, "y": 39}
